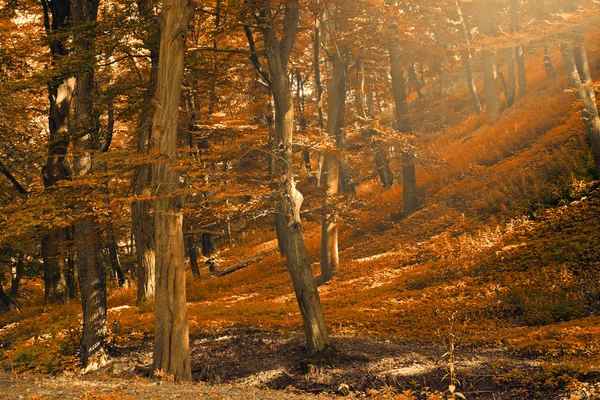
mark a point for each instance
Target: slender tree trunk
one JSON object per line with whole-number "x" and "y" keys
{"x": 490, "y": 65}
{"x": 171, "y": 338}
{"x": 113, "y": 253}
{"x": 582, "y": 84}
{"x": 6, "y": 303}
{"x": 57, "y": 15}
{"x": 511, "y": 85}
{"x": 332, "y": 166}
{"x": 142, "y": 221}
{"x": 192, "y": 251}
{"x": 72, "y": 276}
{"x": 215, "y": 75}
{"x": 403, "y": 124}
{"x": 518, "y": 49}
{"x": 92, "y": 275}
{"x": 465, "y": 56}
{"x": 548, "y": 65}
{"x": 319, "y": 88}
{"x": 290, "y": 199}
{"x": 17, "y": 275}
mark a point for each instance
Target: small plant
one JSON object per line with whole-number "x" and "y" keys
{"x": 454, "y": 382}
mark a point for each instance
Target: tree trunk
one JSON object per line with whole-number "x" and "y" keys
{"x": 171, "y": 338}
{"x": 17, "y": 275}
{"x": 192, "y": 251}
{"x": 142, "y": 226}
{"x": 548, "y": 65}
{"x": 582, "y": 84}
{"x": 113, "y": 252}
{"x": 55, "y": 284}
{"x": 332, "y": 174}
{"x": 465, "y": 56}
{"x": 319, "y": 89}
{"x": 490, "y": 65}
{"x": 403, "y": 124}
{"x": 92, "y": 275}
{"x": 57, "y": 15}
{"x": 511, "y": 85}
{"x": 518, "y": 49}
{"x": 72, "y": 276}
{"x": 290, "y": 199}
{"x": 209, "y": 249}
{"x": 6, "y": 303}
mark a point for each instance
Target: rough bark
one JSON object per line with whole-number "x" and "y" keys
{"x": 582, "y": 84}
{"x": 142, "y": 223}
{"x": 57, "y": 16}
{"x": 290, "y": 199}
{"x": 92, "y": 274}
{"x": 113, "y": 252}
{"x": 465, "y": 56}
{"x": 171, "y": 337}
{"x": 490, "y": 65}
{"x": 403, "y": 124}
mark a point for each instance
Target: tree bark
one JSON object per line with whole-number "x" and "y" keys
{"x": 465, "y": 56}
{"x": 171, "y": 338}
{"x": 6, "y": 303}
{"x": 142, "y": 222}
{"x": 57, "y": 16}
{"x": 290, "y": 199}
{"x": 17, "y": 276}
{"x": 209, "y": 248}
{"x": 403, "y": 124}
{"x": 113, "y": 253}
{"x": 548, "y": 65}
{"x": 192, "y": 251}
{"x": 518, "y": 49}
{"x": 582, "y": 84}
{"x": 92, "y": 275}
{"x": 490, "y": 65}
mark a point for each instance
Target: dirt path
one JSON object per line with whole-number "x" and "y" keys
{"x": 42, "y": 387}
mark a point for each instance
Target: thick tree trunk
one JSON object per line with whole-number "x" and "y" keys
{"x": 403, "y": 124}
{"x": 92, "y": 275}
{"x": 6, "y": 303}
{"x": 171, "y": 338}
{"x": 518, "y": 49}
{"x": 465, "y": 56}
{"x": 290, "y": 200}
{"x": 17, "y": 275}
{"x": 582, "y": 84}
{"x": 57, "y": 15}
{"x": 142, "y": 223}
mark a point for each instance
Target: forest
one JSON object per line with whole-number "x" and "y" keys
{"x": 296, "y": 199}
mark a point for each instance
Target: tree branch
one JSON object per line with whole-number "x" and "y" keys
{"x": 13, "y": 180}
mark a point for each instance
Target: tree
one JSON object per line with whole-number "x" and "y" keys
{"x": 483, "y": 14}
{"x": 171, "y": 337}
{"x": 57, "y": 17}
{"x": 92, "y": 273}
{"x": 290, "y": 199}
{"x": 403, "y": 124}
{"x": 141, "y": 219}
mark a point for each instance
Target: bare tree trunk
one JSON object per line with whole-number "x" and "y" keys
{"x": 142, "y": 222}
{"x": 490, "y": 65}
{"x": 582, "y": 84}
{"x": 465, "y": 56}
{"x": 548, "y": 65}
{"x": 215, "y": 76}
{"x": 511, "y": 85}
{"x": 92, "y": 275}
{"x": 72, "y": 276}
{"x": 113, "y": 253}
{"x": 209, "y": 249}
{"x": 17, "y": 275}
{"x": 57, "y": 15}
{"x": 290, "y": 200}
{"x": 403, "y": 124}
{"x": 518, "y": 49}
{"x": 319, "y": 88}
{"x": 171, "y": 338}
{"x": 6, "y": 303}
{"x": 192, "y": 251}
